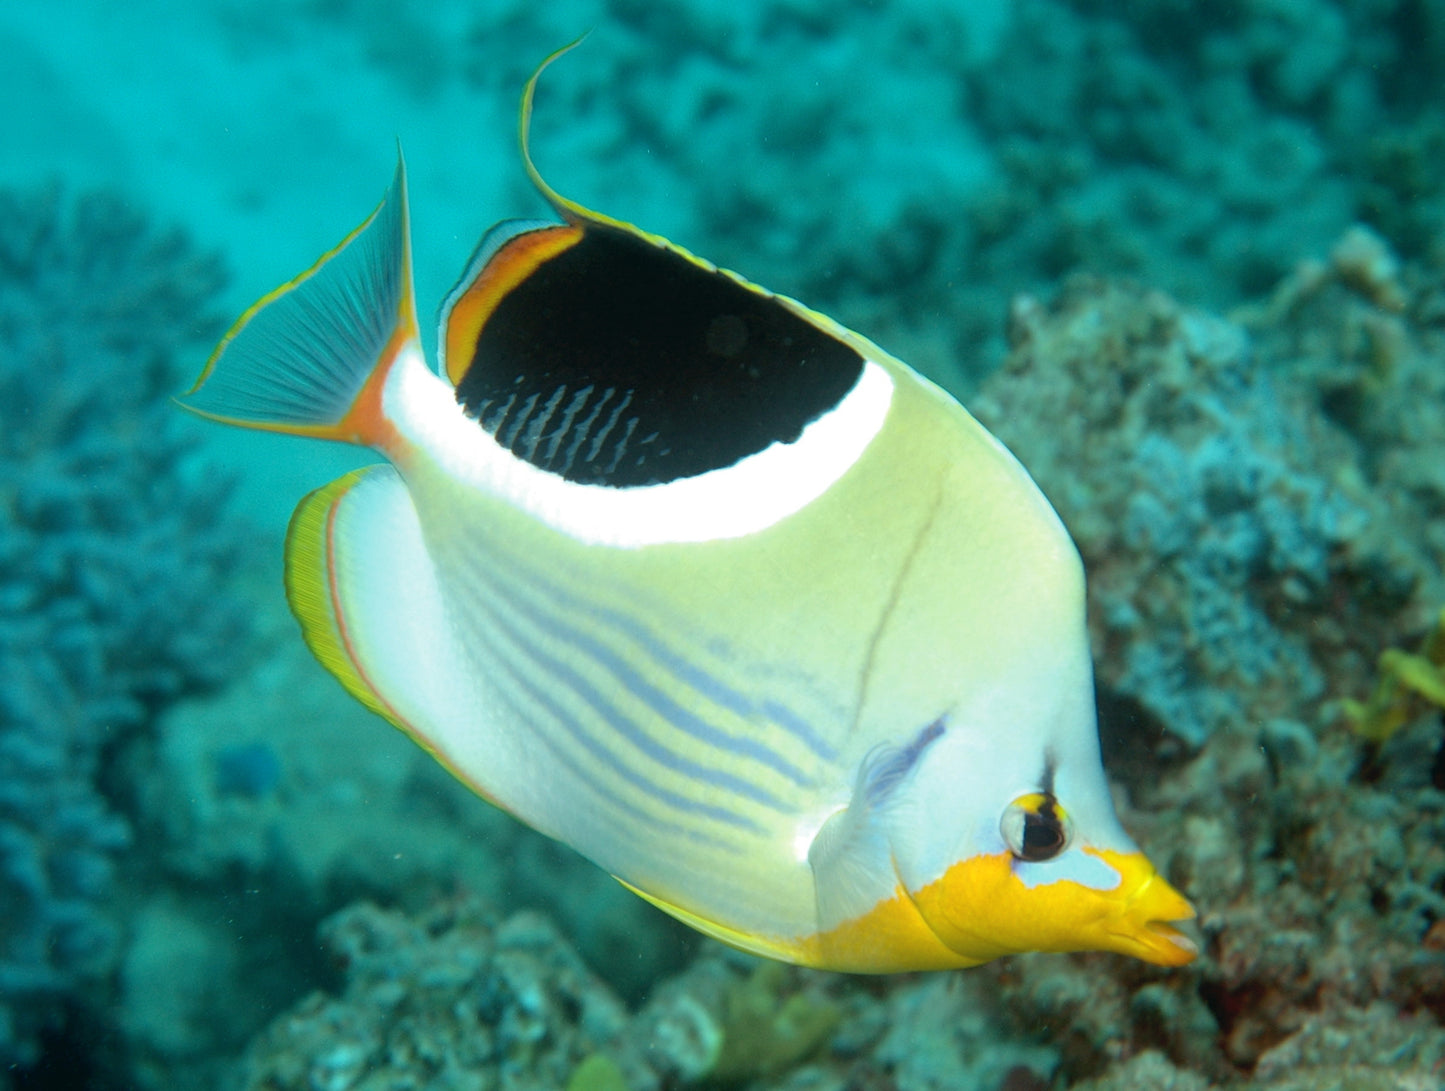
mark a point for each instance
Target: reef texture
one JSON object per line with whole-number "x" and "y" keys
{"x": 1259, "y": 504}
{"x": 999, "y": 145}
{"x": 113, "y": 556}
{"x": 1249, "y": 552}
{"x": 448, "y": 1000}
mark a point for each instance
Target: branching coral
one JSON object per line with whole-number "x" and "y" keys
{"x": 111, "y": 550}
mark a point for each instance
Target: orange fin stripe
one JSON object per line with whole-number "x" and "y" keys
{"x": 509, "y": 266}
{"x": 366, "y": 421}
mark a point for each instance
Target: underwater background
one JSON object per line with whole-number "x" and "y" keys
{"x": 1187, "y": 260}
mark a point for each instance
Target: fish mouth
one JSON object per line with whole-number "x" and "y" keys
{"x": 1146, "y": 923}
{"x": 1166, "y": 945}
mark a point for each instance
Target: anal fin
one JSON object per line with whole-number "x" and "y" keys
{"x": 365, "y": 592}
{"x": 312, "y": 585}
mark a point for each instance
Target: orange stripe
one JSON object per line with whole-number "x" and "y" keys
{"x": 366, "y": 421}
{"x": 513, "y": 263}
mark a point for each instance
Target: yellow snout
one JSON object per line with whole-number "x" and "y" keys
{"x": 981, "y": 909}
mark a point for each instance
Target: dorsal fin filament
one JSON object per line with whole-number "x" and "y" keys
{"x": 568, "y": 209}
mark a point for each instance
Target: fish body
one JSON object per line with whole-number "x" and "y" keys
{"x": 715, "y": 591}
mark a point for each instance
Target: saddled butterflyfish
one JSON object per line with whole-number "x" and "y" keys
{"x": 690, "y": 577}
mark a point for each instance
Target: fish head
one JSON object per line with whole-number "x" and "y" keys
{"x": 1029, "y": 854}
{"x": 1047, "y": 889}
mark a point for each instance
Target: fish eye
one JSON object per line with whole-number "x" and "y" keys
{"x": 1035, "y": 827}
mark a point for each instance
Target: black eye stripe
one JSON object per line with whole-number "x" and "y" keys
{"x": 1043, "y": 834}
{"x": 1035, "y": 828}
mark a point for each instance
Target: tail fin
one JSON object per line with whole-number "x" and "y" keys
{"x": 309, "y": 358}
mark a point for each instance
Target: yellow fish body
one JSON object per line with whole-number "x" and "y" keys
{"x": 698, "y": 582}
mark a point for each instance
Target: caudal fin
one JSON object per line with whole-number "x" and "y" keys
{"x": 309, "y": 357}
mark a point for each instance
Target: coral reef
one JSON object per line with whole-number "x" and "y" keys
{"x": 1251, "y": 457}
{"x": 1231, "y": 580}
{"x": 451, "y": 997}
{"x": 449, "y": 1000}
{"x": 112, "y": 555}
{"x": 1238, "y": 494}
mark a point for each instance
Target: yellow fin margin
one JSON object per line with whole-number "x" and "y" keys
{"x": 569, "y": 209}
{"x": 311, "y": 544}
{"x": 311, "y": 591}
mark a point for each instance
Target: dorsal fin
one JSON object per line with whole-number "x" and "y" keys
{"x": 570, "y": 210}
{"x": 567, "y": 208}
{"x": 609, "y": 356}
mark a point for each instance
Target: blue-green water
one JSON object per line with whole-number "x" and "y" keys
{"x": 1185, "y": 260}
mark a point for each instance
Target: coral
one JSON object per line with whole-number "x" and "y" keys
{"x": 767, "y": 1031}
{"x": 728, "y": 1022}
{"x": 1202, "y": 144}
{"x": 112, "y": 549}
{"x": 451, "y": 999}
{"x": 1244, "y": 550}
{"x": 1186, "y": 478}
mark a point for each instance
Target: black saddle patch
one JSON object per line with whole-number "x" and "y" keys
{"x": 620, "y": 362}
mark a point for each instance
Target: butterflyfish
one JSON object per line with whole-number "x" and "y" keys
{"x": 697, "y": 581}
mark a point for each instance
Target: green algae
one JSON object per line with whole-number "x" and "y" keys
{"x": 597, "y": 1072}
{"x": 767, "y": 1031}
{"x": 1409, "y": 683}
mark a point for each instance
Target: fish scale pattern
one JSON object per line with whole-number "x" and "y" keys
{"x": 112, "y": 544}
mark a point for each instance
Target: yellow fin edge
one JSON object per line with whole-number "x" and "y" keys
{"x": 311, "y": 591}
{"x": 312, "y": 594}
{"x": 768, "y": 947}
